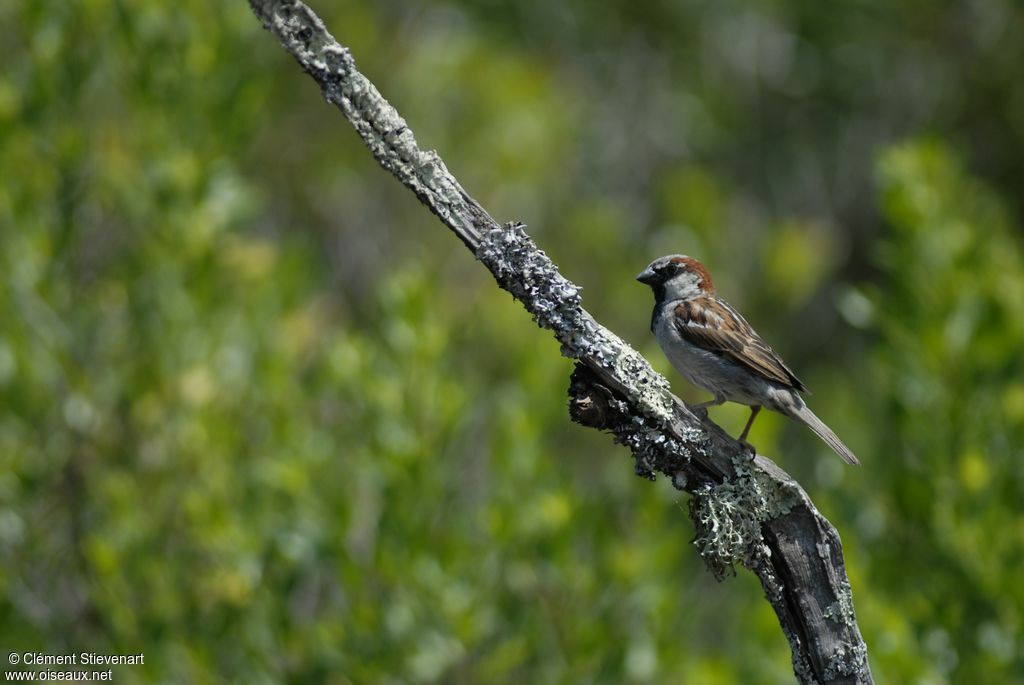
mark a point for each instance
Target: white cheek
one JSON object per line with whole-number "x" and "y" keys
{"x": 682, "y": 287}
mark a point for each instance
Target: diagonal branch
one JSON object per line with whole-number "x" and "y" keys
{"x": 747, "y": 512}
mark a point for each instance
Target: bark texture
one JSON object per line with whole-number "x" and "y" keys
{"x": 746, "y": 510}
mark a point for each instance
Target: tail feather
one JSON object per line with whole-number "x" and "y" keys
{"x": 805, "y": 415}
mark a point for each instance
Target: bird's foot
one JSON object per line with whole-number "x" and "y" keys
{"x": 700, "y": 410}
{"x": 748, "y": 449}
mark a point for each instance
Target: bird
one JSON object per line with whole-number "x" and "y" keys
{"x": 714, "y": 348}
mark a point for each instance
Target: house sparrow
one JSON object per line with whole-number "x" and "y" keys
{"x": 714, "y": 348}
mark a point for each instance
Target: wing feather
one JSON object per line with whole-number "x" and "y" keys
{"x": 710, "y": 323}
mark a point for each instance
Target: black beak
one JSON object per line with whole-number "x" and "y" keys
{"x": 647, "y": 276}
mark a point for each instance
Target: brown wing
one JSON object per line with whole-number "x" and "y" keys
{"x": 713, "y": 325}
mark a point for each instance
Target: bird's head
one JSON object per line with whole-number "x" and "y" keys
{"x": 677, "y": 277}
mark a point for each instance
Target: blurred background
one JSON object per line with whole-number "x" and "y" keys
{"x": 263, "y": 419}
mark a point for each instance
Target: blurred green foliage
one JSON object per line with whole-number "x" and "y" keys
{"x": 264, "y": 420}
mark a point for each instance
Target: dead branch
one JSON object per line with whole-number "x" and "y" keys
{"x": 745, "y": 511}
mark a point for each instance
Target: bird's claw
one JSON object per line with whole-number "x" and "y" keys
{"x": 749, "y": 449}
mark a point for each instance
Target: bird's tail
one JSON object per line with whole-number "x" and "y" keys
{"x": 807, "y": 416}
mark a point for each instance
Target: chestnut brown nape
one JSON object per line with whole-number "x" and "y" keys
{"x": 691, "y": 264}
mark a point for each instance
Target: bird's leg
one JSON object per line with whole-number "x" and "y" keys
{"x": 750, "y": 422}
{"x": 702, "y": 408}
{"x": 746, "y": 429}
{"x": 719, "y": 399}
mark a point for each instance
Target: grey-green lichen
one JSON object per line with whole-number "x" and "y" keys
{"x": 652, "y": 392}
{"x": 774, "y": 592}
{"x": 653, "y": 450}
{"x": 802, "y": 668}
{"x": 528, "y": 273}
{"x": 379, "y": 124}
{"x": 846, "y": 661}
{"x": 728, "y": 518}
{"x": 841, "y": 610}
